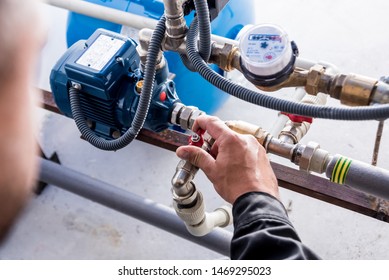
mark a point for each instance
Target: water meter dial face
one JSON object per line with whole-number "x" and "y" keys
{"x": 265, "y": 50}
{"x": 265, "y": 47}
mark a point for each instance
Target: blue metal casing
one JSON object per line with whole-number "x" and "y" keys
{"x": 108, "y": 95}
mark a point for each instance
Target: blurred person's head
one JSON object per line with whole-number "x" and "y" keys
{"x": 21, "y": 37}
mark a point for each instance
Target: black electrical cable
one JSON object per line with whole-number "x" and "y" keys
{"x": 315, "y": 111}
{"x": 185, "y": 60}
{"x": 143, "y": 106}
{"x": 204, "y": 25}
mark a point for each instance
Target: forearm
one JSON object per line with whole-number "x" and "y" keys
{"x": 18, "y": 147}
{"x": 262, "y": 230}
{"x": 17, "y": 160}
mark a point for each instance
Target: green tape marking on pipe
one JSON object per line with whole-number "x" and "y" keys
{"x": 341, "y": 169}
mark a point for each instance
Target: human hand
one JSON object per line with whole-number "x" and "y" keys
{"x": 237, "y": 164}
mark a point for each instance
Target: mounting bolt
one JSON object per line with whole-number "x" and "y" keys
{"x": 116, "y": 134}
{"x": 76, "y": 85}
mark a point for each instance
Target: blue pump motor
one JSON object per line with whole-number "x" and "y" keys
{"x": 235, "y": 15}
{"x": 106, "y": 70}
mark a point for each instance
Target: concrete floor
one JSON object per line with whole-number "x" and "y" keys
{"x": 60, "y": 225}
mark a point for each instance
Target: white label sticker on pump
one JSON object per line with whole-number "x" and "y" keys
{"x": 100, "y": 52}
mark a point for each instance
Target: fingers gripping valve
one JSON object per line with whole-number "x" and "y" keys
{"x": 188, "y": 201}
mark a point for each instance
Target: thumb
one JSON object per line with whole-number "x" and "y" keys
{"x": 197, "y": 157}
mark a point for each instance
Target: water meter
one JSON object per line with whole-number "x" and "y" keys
{"x": 267, "y": 55}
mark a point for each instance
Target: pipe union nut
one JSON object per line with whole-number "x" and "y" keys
{"x": 174, "y": 119}
{"x": 306, "y": 157}
{"x": 176, "y": 27}
{"x": 381, "y": 94}
{"x": 194, "y": 116}
{"x": 185, "y": 116}
{"x": 188, "y": 198}
{"x": 313, "y": 79}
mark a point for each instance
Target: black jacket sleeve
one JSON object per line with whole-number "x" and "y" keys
{"x": 262, "y": 230}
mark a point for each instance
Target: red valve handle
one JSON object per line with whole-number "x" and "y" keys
{"x": 197, "y": 139}
{"x": 297, "y": 118}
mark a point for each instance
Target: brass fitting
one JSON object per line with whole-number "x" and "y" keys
{"x": 247, "y": 128}
{"x": 293, "y": 132}
{"x": 309, "y": 157}
{"x": 226, "y": 56}
{"x": 352, "y": 89}
{"x": 271, "y": 144}
{"x": 314, "y": 79}
{"x": 298, "y": 78}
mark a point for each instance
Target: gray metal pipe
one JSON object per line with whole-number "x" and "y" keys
{"x": 359, "y": 175}
{"x": 130, "y": 204}
{"x": 173, "y": 8}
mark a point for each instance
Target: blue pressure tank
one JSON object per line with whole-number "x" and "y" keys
{"x": 191, "y": 87}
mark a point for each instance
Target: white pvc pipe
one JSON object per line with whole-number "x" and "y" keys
{"x": 307, "y": 64}
{"x": 104, "y": 13}
{"x": 117, "y": 16}
{"x": 221, "y": 217}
